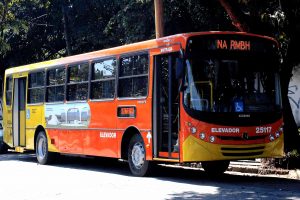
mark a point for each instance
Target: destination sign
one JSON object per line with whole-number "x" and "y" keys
{"x": 233, "y": 45}
{"x": 230, "y": 45}
{"x": 127, "y": 111}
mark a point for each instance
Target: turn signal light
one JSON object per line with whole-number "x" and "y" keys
{"x": 202, "y": 136}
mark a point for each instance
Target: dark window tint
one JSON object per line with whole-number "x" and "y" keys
{"x": 134, "y": 65}
{"x": 103, "y": 79}
{"x": 78, "y": 73}
{"x": 56, "y": 84}
{"x": 77, "y": 92}
{"x": 56, "y": 76}
{"x": 133, "y": 76}
{"x": 36, "y": 87}
{"x": 133, "y": 87}
{"x": 103, "y": 89}
{"x": 77, "y": 86}
{"x": 36, "y": 95}
{"x": 36, "y": 79}
{"x": 8, "y": 92}
{"x": 55, "y": 93}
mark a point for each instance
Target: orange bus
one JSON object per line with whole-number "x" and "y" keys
{"x": 207, "y": 97}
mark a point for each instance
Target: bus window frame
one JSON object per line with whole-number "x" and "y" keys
{"x": 99, "y": 80}
{"x": 45, "y": 84}
{"x": 49, "y": 86}
{"x": 69, "y": 65}
{"x": 136, "y": 53}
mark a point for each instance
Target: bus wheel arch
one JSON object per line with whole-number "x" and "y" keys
{"x": 134, "y": 150}
{"x": 128, "y": 134}
{"x": 37, "y": 130}
{"x": 41, "y": 147}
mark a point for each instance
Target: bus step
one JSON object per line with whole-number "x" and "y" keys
{"x": 20, "y": 149}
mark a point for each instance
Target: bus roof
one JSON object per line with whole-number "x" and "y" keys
{"x": 139, "y": 46}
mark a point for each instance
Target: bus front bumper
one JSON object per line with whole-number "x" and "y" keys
{"x": 195, "y": 150}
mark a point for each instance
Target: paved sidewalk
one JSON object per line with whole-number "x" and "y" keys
{"x": 256, "y": 167}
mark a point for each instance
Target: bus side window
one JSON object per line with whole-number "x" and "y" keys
{"x": 103, "y": 79}
{"x": 77, "y": 85}
{"x": 56, "y": 84}
{"x": 36, "y": 83}
{"x": 133, "y": 76}
{"x": 8, "y": 90}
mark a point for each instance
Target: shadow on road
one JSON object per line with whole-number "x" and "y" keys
{"x": 227, "y": 185}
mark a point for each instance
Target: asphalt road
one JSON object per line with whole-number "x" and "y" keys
{"x": 85, "y": 178}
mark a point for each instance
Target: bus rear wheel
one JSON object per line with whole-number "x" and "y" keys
{"x": 3, "y": 148}
{"x": 138, "y": 164}
{"x": 215, "y": 167}
{"x": 41, "y": 149}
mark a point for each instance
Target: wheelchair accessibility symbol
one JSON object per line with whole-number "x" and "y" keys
{"x": 238, "y": 106}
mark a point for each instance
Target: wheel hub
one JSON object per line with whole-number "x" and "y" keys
{"x": 138, "y": 155}
{"x": 41, "y": 148}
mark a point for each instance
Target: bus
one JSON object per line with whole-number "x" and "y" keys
{"x": 207, "y": 97}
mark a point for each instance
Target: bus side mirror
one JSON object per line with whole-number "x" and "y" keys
{"x": 179, "y": 68}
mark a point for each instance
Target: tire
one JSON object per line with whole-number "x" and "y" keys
{"x": 215, "y": 168}
{"x": 138, "y": 164}
{"x": 3, "y": 148}
{"x": 41, "y": 149}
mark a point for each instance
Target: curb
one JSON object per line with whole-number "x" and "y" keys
{"x": 259, "y": 170}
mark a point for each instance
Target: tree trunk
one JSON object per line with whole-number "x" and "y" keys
{"x": 66, "y": 29}
{"x": 159, "y": 18}
{"x": 235, "y": 20}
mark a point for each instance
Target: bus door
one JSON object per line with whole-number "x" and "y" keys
{"x": 166, "y": 107}
{"x": 19, "y": 111}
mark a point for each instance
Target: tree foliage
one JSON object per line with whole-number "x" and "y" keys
{"x": 42, "y": 29}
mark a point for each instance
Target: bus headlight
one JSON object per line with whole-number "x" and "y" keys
{"x": 202, "y": 136}
{"x": 281, "y": 129}
{"x": 212, "y": 139}
{"x": 193, "y": 130}
{"x": 272, "y": 138}
{"x": 277, "y": 134}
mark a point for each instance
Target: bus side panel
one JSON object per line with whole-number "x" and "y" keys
{"x": 7, "y": 125}
{"x": 102, "y": 139}
{"x": 66, "y": 124}
{"x": 142, "y": 120}
{"x": 34, "y": 117}
{"x": 7, "y": 116}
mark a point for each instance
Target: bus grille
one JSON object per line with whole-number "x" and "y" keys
{"x": 239, "y": 138}
{"x": 241, "y": 152}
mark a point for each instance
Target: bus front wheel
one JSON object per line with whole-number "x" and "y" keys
{"x": 138, "y": 164}
{"x": 215, "y": 167}
{"x": 42, "y": 154}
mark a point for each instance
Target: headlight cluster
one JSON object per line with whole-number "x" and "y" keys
{"x": 276, "y": 134}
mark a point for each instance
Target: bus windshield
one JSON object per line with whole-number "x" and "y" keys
{"x": 239, "y": 85}
{"x": 232, "y": 74}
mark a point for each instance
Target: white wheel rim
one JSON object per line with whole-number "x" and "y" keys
{"x": 138, "y": 155}
{"x": 41, "y": 148}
